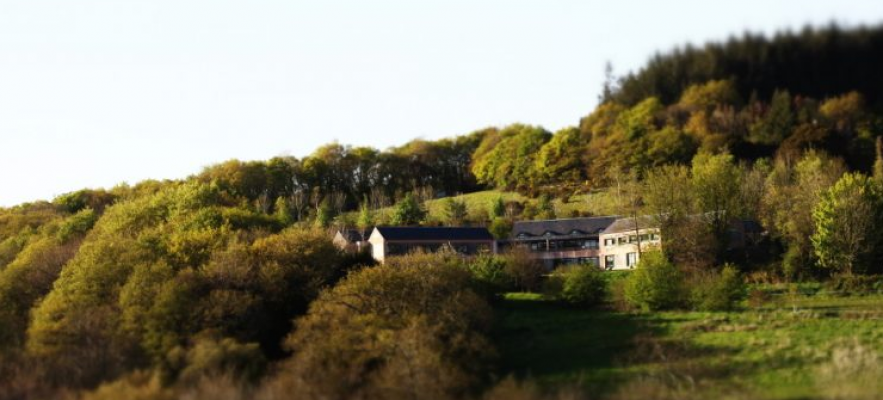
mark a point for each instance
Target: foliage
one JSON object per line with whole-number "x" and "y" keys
{"x": 411, "y": 327}
{"x": 582, "y": 285}
{"x": 490, "y": 275}
{"x": 77, "y": 224}
{"x": 656, "y": 284}
{"x": 455, "y": 211}
{"x": 501, "y": 228}
{"x": 846, "y": 219}
{"x": 497, "y": 208}
{"x": 525, "y": 271}
{"x": 855, "y": 285}
{"x": 788, "y": 60}
{"x": 718, "y": 290}
{"x": 408, "y": 212}
{"x": 506, "y": 158}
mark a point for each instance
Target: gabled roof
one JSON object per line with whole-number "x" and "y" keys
{"x": 434, "y": 233}
{"x": 628, "y": 224}
{"x": 562, "y": 227}
{"x": 355, "y": 235}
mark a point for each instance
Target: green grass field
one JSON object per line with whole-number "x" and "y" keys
{"x": 794, "y": 346}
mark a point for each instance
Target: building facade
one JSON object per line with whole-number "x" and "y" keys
{"x": 352, "y": 240}
{"x": 608, "y": 242}
{"x": 394, "y": 241}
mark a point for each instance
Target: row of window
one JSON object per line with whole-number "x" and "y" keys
{"x": 564, "y": 244}
{"x": 630, "y": 239}
{"x": 630, "y": 260}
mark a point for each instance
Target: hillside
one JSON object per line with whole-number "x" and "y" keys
{"x": 226, "y": 284}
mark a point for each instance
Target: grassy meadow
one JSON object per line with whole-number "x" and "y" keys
{"x": 784, "y": 343}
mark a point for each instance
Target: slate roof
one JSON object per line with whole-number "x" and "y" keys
{"x": 628, "y": 224}
{"x": 435, "y": 233}
{"x": 355, "y": 235}
{"x": 562, "y": 227}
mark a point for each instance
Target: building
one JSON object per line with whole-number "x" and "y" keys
{"x": 610, "y": 242}
{"x": 352, "y": 240}
{"x": 625, "y": 239}
{"x": 562, "y": 241}
{"x": 392, "y": 241}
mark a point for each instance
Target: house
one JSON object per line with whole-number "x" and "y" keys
{"x": 562, "y": 241}
{"x": 610, "y": 242}
{"x": 352, "y": 240}
{"x": 392, "y": 241}
{"x": 625, "y": 239}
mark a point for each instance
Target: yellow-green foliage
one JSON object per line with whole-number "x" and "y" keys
{"x": 410, "y": 328}
{"x": 157, "y": 270}
{"x": 656, "y": 283}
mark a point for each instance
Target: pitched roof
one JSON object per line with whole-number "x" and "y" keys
{"x": 588, "y": 226}
{"x": 434, "y": 233}
{"x": 628, "y": 224}
{"x": 355, "y": 235}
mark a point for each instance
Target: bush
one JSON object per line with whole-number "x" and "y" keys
{"x": 489, "y": 274}
{"x": 500, "y": 228}
{"x": 525, "y": 271}
{"x": 656, "y": 284}
{"x": 411, "y": 328}
{"x": 583, "y": 285}
{"x": 855, "y": 284}
{"x": 719, "y": 290}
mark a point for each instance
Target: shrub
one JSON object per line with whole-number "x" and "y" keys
{"x": 411, "y": 328}
{"x": 718, "y": 290}
{"x": 500, "y": 228}
{"x": 656, "y": 284}
{"x": 490, "y": 276}
{"x": 525, "y": 271}
{"x": 583, "y": 285}
{"x": 855, "y": 284}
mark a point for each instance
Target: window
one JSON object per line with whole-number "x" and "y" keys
{"x": 633, "y": 239}
{"x": 609, "y": 242}
{"x": 609, "y": 262}
{"x": 645, "y": 237}
{"x": 631, "y": 259}
{"x": 590, "y": 244}
{"x": 590, "y": 261}
{"x": 622, "y": 240}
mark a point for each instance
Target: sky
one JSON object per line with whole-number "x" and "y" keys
{"x": 95, "y": 93}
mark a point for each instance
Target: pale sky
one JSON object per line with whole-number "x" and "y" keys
{"x": 95, "y": 93}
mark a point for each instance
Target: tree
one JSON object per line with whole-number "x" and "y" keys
{"x": 656, "y": 284}
{"x": 507, "y": 159}
{"x": 366, "y": 220}
{"x": 501, "y": 228}
{"x": 791, "y": 192}
{"x": 324, "y": 213}
{"x": 778, "y": 122}
{"x": 411, "y": 328}
{"x": 282, "y": 211}
{"x": 497, "y": 208}
{"x": 846, "y": 220}
{"x": 717, "y": 184}
{"x": 878, "y": 160}
{"x": 408, "y": 212}
{"x": 455, "y": 211}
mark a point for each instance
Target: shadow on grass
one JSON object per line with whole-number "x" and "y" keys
{"x": 595, "y": 349}
{"x": 557, "y": 344}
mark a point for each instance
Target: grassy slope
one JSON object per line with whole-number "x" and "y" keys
{"x": 779, "y": 350}
{"x": 478, "y": 203}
